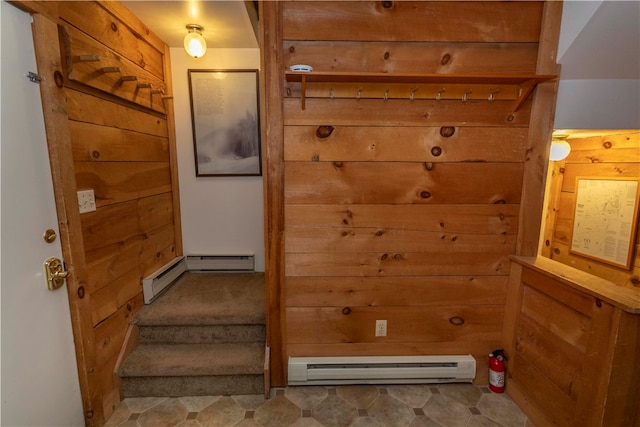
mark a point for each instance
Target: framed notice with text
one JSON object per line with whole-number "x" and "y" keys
{"x": 605, "y": 218}
{"x": 225, "y": 121}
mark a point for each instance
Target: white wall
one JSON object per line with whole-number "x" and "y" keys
{"x": 599, "y": 50}
{"x": 220, "y": 215}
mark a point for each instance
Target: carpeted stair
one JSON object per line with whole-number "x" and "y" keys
{"x": 204, "y": 336}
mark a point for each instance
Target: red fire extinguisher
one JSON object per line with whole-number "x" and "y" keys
{"x": 497, "y": 370}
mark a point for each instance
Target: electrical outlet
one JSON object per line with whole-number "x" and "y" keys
{"x": 86, "y": 201}
{"x": 381, "y": 328}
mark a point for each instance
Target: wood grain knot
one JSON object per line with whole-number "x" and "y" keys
{"x": 386, "y": 55}
{"x": 607, "y": 144}
{"x": 436, "y": 151}
{"x": 456, "y": 320}
{"x": 324, "y": 131}
{"x": 292, "y": 49}
{"x": 95, "y": 154}
{"x": 384, "y": 257}
{"x": 425, "y": 194}
{"x": 500, "y": 202}
{"x": 635, "y": 281}
{"x": 447, "y": 131}
{"x": 445, "y": 59}
{"x": 511, "y": 118}
{"x": 337, "y": 164}
{"x": 387, "y": 4}
{"x": 114, "y": 27}
{"x": 598, "y": 302}
{"x": 397, "y": 257}
{"x": 346, "y": 310}
{"x": 81, "y": 292}
{"x": 547, "y": 243}
{"x": 556, "y": 251}
{"x": 379, "y": 233}
{"x": 58, "y": 79}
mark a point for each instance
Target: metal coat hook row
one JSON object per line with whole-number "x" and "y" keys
{"x": 464, "y": 96}
{"x": 439, "y": 94}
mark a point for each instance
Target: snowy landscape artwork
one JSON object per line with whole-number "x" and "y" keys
{"x": 225, "y": 121}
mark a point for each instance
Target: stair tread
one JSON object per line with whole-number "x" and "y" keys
{"x": 208, "y": 299}
{"x": 195, "y": 360}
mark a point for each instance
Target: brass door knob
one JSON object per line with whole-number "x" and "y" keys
{"x": 55, "y": 273}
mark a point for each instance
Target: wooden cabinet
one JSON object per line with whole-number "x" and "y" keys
{"x": 574, "y": 346}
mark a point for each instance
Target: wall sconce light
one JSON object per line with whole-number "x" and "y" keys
{"x": 194, "y": 43}
{"x": 560, "y": 148}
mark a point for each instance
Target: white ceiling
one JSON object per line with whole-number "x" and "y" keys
{"x": 226, "y": 23}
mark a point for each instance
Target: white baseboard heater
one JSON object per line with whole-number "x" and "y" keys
{"x": 381, "y": 370}
{"x": 228, "y": 263}
{"x": 165, "y": 276}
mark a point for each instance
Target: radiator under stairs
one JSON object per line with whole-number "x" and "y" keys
{"x": 205, "y": 335}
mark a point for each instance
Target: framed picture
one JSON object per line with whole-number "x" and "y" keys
{"x": 226, "y": 122}
{"x": 605, "y": 218}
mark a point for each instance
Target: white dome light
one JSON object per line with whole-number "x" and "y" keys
{"x": 560, "y": 148}
{"x": 194, "y": 43}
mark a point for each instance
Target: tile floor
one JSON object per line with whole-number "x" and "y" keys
{"x": 446, "y": 405}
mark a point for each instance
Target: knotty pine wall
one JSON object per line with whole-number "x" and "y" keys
{"x": 614, "y": 155}
{"x": 408, "y": 210}
{"x": 106, "y": 83}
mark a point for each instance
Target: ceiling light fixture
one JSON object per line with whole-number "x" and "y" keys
{"x": 194, "y": 43}
{"x": 560, "y": 148}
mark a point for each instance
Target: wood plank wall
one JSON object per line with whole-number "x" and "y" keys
{"x": 616, "y": 155}
{"x": 394, "y": 209}
{"x": 110, "y": 131}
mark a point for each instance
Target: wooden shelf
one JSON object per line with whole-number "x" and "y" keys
{"x": 516, "y": 87}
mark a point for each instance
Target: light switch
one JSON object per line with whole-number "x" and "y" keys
{"x": 86, "y": 201}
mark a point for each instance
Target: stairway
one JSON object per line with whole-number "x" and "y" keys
{"x": 204, "y": 336}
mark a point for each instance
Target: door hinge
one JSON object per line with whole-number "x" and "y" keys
{"x": 34, "y": 77}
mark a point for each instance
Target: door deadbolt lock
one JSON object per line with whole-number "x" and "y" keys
{"x": 54, "y": 271}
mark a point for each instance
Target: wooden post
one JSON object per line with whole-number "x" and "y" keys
{"x": 540, "y": 130}
{"x": 271, "y": 82}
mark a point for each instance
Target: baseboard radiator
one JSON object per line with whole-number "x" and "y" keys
{"x": 381, "y": 370}
{"x": 158, "y": 281}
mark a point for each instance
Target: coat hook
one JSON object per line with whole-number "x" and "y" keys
{"x": 331, "y": 95}
{"x": 464, "y": 96}
{"x": 386, "y": 94}
{"x": 413, "y": 91}
{"x": 491, "y": 93}
{"x": 439, "y": 95}
{"x": 88, "y": 58}
{"x": 359, "y": 94}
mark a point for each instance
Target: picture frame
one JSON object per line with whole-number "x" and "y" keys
{"x": 225, "y": 119}
{"x": 605, "y": 218}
